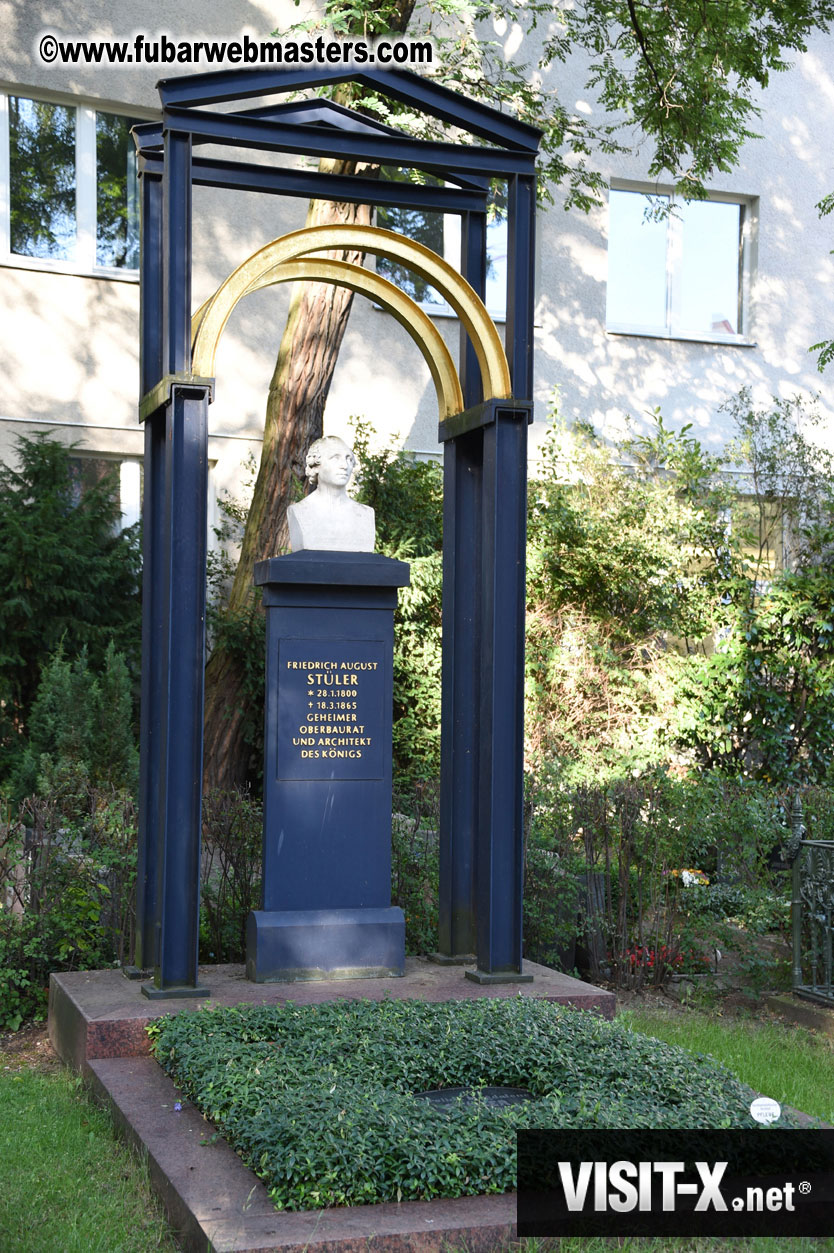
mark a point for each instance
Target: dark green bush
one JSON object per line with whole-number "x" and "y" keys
{"x": 636, "y": 851}
{"x": 25, "y": 963}
{"x": 68, "y": 575}
{"x": 80, "y": 726}
{"x": 68, "y": 847}
{"x": 655, "y": 631}
{"x": 67, "y": 880}
{"x": 552, "y": 905}
{"x": 415, "y": 846}
{"x": 818, "y": 811}
{"x": 759, "y": 704}
{"x": 230, "y": 880}
{"x": 622, "y": 560}
{"x": 319, "y": 1100}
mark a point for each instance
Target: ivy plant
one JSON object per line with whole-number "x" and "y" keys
{"x": 323, "y": 1101}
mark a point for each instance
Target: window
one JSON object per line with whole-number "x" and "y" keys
{"x": 676, "y": 269}
{"x": 441, "y": 233}
{"x": 127, "y": 481}
{"x": 125, "y": 476}
{"x": 68, "y": 188}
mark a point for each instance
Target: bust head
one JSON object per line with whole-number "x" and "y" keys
{"x": 327, "y": 519}
{"x": 329, "y": 461}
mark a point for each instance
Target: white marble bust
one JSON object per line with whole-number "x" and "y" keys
{"x": 328, "y": 519}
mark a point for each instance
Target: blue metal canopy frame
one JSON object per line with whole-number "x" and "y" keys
{"x": 485, "y": 468}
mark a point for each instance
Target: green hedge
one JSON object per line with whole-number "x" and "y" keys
{"x": 319, "y": 1100}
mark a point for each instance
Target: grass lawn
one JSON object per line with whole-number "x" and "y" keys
{"x": 67, "y": 1185}
{"x": 793, "y": 1065}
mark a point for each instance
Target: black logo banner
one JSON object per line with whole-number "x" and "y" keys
{"x": 676, "y": 1183}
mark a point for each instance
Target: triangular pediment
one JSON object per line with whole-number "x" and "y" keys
{"x": 420, "y": 94}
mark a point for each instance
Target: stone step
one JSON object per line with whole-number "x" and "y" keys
{"x": 213, "y": 1200}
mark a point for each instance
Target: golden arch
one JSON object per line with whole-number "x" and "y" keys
{"x": 402, "y": 307}
{"x": 278, "y": 262}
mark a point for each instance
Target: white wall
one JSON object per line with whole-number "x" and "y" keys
{"x": 603, "y": 378}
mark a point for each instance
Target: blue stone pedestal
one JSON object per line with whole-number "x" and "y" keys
{"x": 325, "y": 944}
{"x": 326, "y": 904}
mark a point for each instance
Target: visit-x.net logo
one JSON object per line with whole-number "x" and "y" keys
{"x": 684, "y": 1183}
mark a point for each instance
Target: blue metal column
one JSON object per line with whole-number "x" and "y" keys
{"x": 459, "y": 705}
{"x": 176, "y": 259}
{"x": 521, "y": 268}
{"x": 150, "y": 371}
{"x": 183, "y": 663}
{"x": 462, "y": 463}
{"x": 501, "y": 747}
{"x": 499, "y": 864}
{"x": 181, "y": 570}
{"x": 473, "y": 267}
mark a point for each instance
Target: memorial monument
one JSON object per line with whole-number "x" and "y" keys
{"x": 484, "y": 409}
{"x": 326, "y": 903}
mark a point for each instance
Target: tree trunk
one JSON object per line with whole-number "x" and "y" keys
{"x": 295, "y": 406}
{"x": 297, "y": 395}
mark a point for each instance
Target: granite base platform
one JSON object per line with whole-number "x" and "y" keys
{"x": 100, "y": 1013}
{"x": 97, "y": 1024}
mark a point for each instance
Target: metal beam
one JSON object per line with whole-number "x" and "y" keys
{"x": 318, "y": 141}
{"x": 499, "y": 864}
{"x": 485, "y": 413}
{"x": 457, "y": 905}
{"x": 309, "y": 184}
{"x": 180, "y": 571}
{"x": 148, "y": 136}
{"x": 499, "y": 869}
{"x": 176, "y": 256}
{"x": 157, "y": 398}
{"x": 320, "y": 113}
{"x": 521, "y": 281}
{"x": 306, "y": 112}
{"x": 462, "y": 480}
{"x": 177, "y": 439}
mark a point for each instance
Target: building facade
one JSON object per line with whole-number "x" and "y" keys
{"x": 678, "y": 311}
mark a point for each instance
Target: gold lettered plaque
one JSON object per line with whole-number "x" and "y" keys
{"x": 330, "y": 709}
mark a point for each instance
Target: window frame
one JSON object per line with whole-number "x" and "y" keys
{"x": 452, "y": 235}
{"x": 84, "y": 262}
{"x": 748, "y": 251}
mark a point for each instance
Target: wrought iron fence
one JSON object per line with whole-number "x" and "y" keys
{"x": 812, "y": 910}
